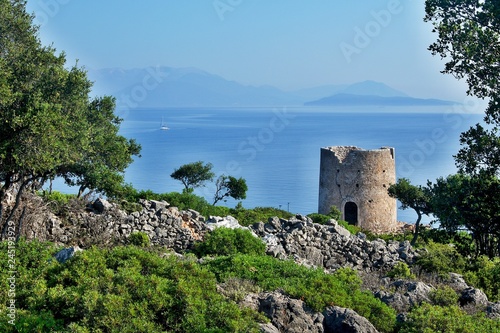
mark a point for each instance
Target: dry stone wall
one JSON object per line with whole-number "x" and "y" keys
{"x": 330, "y": 246}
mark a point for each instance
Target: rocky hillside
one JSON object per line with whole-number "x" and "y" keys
{"x": 327, "y": 246}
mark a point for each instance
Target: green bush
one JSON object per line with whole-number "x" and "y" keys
{"x": 401, "y": 271}
{"x": 248, "y": 217}
{"x": 58, "y": 202}
{"x": 317, "y": 288}
{"x": 441, "y": 259}
{"x": 335, "y": 214}
{"x": 485, "y": 275}
{"x": 56, "y": 196}
{"x": 430, "y": 318}
{"x": 319, "y": 218}
{"x": 444, "y": 296}
{"x": 225, "y": 241}
{"x": 236, "y": 289}
{"x": 462, "y": 241}
{"x": 351, "y": 228}
{"x": 125, "y": 289}
{"x": 140, "y": 239}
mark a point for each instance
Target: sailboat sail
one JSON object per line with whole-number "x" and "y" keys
{"x": 163, "y": 126}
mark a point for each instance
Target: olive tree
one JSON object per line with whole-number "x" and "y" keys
{"x": 49, "y": 125}
{"x": 229, "y": 186}
{"x": 414, "y": 197}
{"x": 193, "y": 175}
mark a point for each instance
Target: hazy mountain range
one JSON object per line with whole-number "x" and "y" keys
{"x": 191, "y": 87}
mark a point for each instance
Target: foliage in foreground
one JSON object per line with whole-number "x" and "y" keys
{"x": 430, "y": 319}
{"x": 125, "y": 289}
{"x": 225, "y": 241}
{"x": 317, "y": 288}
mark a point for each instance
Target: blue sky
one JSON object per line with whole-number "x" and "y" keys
{"x": 289, "y": 44}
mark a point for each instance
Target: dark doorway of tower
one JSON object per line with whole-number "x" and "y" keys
{"x": 351, "y": 213}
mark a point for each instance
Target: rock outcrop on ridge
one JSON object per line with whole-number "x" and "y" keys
{"x": 330, "y": 246}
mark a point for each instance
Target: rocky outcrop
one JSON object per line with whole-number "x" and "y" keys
{"x": 402, "y": 295}
{"x": 65, "y": 254}
{"x": 473, "y": 297}
{"x": 293, "y": 316}
{"x": 339, "y": 319}
{"x": 330, "y": 246}
{"x": 286, "y": 314}
{"x": 105, "y": 223}
{"x": 493, "y": 310}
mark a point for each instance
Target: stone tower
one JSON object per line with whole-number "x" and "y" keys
{"x": 356, "y": 182}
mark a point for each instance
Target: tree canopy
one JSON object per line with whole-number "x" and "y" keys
{"x": 472, "y": 203}
{"x": 469, "y": 39}
{"x": 229, "y": 186}
{"x": 49, "y": 124}
{"x": 193, "y": 175}
{"x": 411, "y": 196}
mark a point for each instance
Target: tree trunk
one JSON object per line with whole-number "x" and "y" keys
{"x": 21, "y": 219}
{"x": 16, "y": 206}
{"x": 417, "y": 229}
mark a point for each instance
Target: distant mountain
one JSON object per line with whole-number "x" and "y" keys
{"x": 192, "y": 87}
{"x": 166, "y": 86}
{"x": 372, "y": 88}
{"x": 362, "y": 100}
{"x": 309, "y": 94}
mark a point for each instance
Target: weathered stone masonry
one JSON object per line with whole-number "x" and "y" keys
{"x": 356, "y": 181}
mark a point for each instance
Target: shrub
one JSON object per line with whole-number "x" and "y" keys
{"x": 225, "y": 241}
{"x": 401, "y": 271}
{"x": 140, "y": 239}
{"x": 430, "y": 318}
{"x": 125, "y": 289}
{"x": 351, "y": 228}
{"x": 462, "y": 241}
{"x": 57, "y": 201}
{"x": 485, "y": 274}
{"x": 441, "y": 259}
{"x": 317, "y": 288}
{"x": 319, "y": 218}
{"x": 248, "y": 217}
{"x": 236, "y": 289}
{"x": 444, "y": 296}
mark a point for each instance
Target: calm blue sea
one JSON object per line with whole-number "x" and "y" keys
{"x": 277, "y": 150}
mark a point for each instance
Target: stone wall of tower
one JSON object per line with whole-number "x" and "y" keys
{"x": 356, "y": 182}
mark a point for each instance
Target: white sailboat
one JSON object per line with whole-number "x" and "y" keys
{"x": 163, "y": 126}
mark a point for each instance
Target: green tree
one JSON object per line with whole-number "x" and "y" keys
{"x": 108, "y": 155}
{"x": 193, "y": 175}
{"x": 470, "y": 202}
{"x": 229, "y": 186}
{"x": 411, "y": 196}
{"x": 47, "y": 123}
{"x": 469, "y": 38}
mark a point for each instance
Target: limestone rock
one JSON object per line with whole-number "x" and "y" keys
{"x": 101, "y": 205}
{"x": 343, "y": 320}
{"x": 473, "y": 296}
{"x": 66, "y": 254}
{"x": 286, "y": 314}
{"x": 406, "y": 295}
{"x": 330, "y": 246}
{"x": 226, "y": 222}
{"x": 493, "y": 310}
